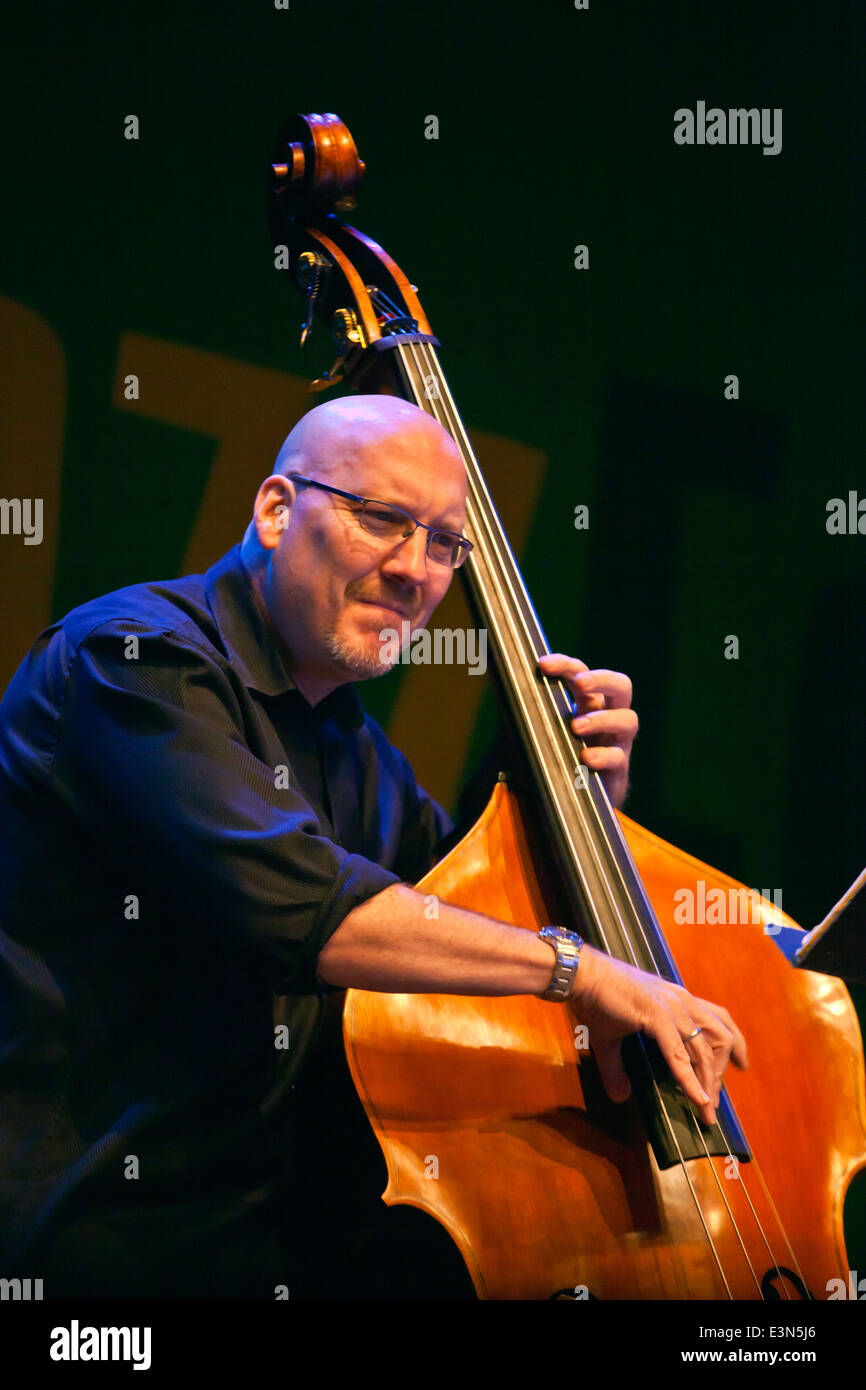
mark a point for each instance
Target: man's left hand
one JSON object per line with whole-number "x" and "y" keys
{"x": 605, "y": 719}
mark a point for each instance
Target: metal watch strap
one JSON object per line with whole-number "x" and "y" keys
{"x": 567, "y": 946}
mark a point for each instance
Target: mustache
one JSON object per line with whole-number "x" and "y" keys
{"x": 405, "y": 605}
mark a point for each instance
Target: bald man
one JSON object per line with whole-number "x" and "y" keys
{"x": 209, "y": 840}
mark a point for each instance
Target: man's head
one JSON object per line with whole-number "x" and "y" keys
{"x": 328, "y": 586}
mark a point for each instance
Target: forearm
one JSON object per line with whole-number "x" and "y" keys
{"x": 389, "y": 944}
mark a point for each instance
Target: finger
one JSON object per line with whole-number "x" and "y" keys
{"x": 620, "y": 725}
{"x": 718, "y": 1035}
{"x": 701, "y": 1051}
{"x": 720, "y": 1039}
{"x": 558, "y": 664}
{"x": 712, "y": 1046}
{"x": 739, "y": 1052}
{"x": 568, "y": 669}
{"x": 715, "y": 1020}
{"x": 614, "y": 1078}
{"x": 602, "y": 759}
{"x": 705, "y": 1061}
{"x": 615, "y": 686}
{"x": 661, "y": 1026}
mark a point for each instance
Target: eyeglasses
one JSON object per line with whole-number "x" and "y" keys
{"x": 392, "y": 523}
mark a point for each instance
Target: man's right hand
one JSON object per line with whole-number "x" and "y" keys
{"x": 614, "y": 999}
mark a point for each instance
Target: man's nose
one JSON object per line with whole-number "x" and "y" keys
{"x": 408, "y": 559}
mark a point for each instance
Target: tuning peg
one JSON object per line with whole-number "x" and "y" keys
{"x": 349, "y": 336}
{"x": 346, "y": 329}
{"x": 310, "y": 269}
{"x": 328, "y": 378}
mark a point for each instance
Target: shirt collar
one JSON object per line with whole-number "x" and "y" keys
{"x": 250, "y": 645}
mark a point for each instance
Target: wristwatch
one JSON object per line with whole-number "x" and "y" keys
{"x": 567, "y": 946}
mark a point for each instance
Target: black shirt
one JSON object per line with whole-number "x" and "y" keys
{"x": 182, "y": 833}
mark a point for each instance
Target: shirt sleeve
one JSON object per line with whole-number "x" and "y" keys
{"x": 151, "y": 754}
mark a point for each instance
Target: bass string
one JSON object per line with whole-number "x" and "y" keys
{"x": 486, "y": 547}
{"x": 426, "y": 372}
{"x": 493, "y": 547}
{"x": 747, "y": 1195}
{"x": 413, "y": 378}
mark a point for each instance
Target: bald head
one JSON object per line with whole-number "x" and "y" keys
{"x": 329, "y": 439}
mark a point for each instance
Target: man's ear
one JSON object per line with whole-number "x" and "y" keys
{"x": 272, "y": 509}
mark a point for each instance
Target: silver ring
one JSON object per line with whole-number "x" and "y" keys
{"x": 691, "y": 1035}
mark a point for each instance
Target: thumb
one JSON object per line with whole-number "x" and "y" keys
{"x": 608, "y": 1056}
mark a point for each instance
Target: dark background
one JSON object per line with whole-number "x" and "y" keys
{"x": 556, "y": 128}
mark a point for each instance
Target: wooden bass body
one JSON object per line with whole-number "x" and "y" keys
{"x": 491, "y": 1098}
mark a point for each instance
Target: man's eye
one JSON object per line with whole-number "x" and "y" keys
{"x": 443, "y": 543}
{"x": 383, "y": 516}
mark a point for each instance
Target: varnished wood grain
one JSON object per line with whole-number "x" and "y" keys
{"x": 542, "y": 1188}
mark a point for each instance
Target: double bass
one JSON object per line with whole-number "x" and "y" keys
{"x": 546, "y": 1187}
